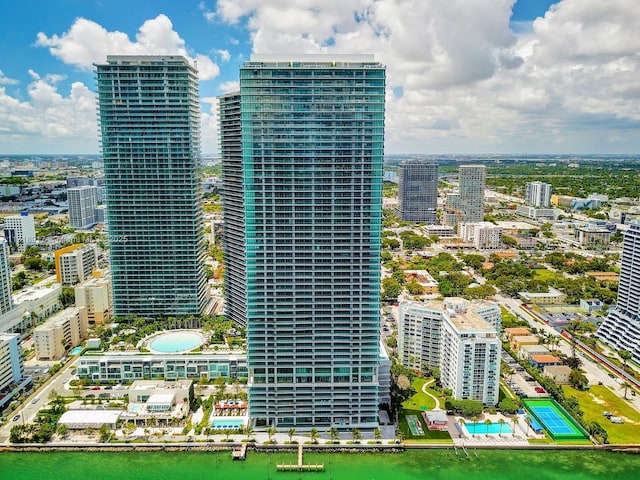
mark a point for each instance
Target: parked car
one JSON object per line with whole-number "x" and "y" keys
{"x": 616, "y": 420}
{"x": 16, "y": 418}
{"x": 35, "y": 400}
{"x": 540, "y": 390}
{"x": 607, "y": 414}
{"x": 95, "y": 388}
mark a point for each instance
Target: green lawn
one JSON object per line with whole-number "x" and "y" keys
{"x": 420, "y": 399}
{"x": 430, "y": 436}
{"x": 599, "y": 399}
{"x": 546, "y": 275}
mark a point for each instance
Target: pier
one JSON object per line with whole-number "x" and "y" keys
{"x": 300, "y": 467}
{"x": 240, "y": 453}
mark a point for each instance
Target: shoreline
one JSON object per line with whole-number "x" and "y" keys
{"x": 217, "y": 447}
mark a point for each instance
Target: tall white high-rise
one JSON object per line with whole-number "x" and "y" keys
{"x": 20, "y": 231}
{"x": 537, "y": 194}
{"x": 82, "y": 204}
{"x": 621, "y": 328}
{"x": 6, "y": 299}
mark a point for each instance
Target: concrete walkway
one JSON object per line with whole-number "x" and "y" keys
{"x": 424, "y": 390}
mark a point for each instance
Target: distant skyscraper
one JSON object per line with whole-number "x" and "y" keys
{"x": 537, "y": 194}
{"x": 621, "y": 328}
{"x": 303, "y": 199}
{"x": 150, "y": 124}
{"x": 82, "y": 204}
{"x": 20, "y": 231}
{"x": 6, "y": 300}
{"x": 417, "y": 191}
{"x": 468, "y": 204}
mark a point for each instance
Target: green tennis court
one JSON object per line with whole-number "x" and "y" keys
{"x": 554, "y": 419}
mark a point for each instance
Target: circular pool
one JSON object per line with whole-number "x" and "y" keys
{"x": 174, "y": 342}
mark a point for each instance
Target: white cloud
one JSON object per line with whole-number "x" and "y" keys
{"x": 87, "y": 42}
{"x": 224, "y": 55}
{"x": 566, "y": 82}
{"x": 230, "y": 86}
{"x": 4, "y": 80}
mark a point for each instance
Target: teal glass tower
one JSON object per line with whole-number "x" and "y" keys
{"x": 310, "y": 165}
{"x": 150, "y": 132}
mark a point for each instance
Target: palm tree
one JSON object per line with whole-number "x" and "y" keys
{"x": 399, "y": 435}
{"x": 527, "y": 419}
{"x": 227, "y": 432}
{"x": 334, "y": 434}
{"x": 514, "y": 421}
{"x": 376, "y": 434}
{"x": 501, "y": 422}
{"x": 291, "y": 433}
{"x": 313, "y": 434}
{"x": 248, "y": 430}
{"x": 474, "y": 420}
{"x": 626, "y": 386}
{"x": 625, "y": 355}
{"x": 356, "y": 435}
{"x": 271, "y": 431}
{"x": 488, "y": 424}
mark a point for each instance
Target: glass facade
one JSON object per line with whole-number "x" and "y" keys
{"x": 150, "y": 132}
{"x": 312, "y": 153}
{"x": 417, "y": 191}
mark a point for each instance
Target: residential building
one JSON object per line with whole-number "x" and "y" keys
{"x": 384, "y": 376}
{"x": 11, "y": 366}
{"x": 470, "y": 357}
{"x": 538, "y": 213}
{"x": 65, "y": 329}
{"x": 76, "y": 263}
{"x": 621, "y": 328}
{"x": 483, "y": 235}
{"x": 520, "y": 341}
{"x": 150, "y": 123}
{"x": 417, "y": 191}
{"x": 537, "y": 194}
{"x": 441, "y": 231}
{"x": 20, "y": 231}
{"x": 560, "y": 373}
{"x": 6, "y": 300}
{"x": 424, "y": 279}
{"x": 591, "y": 304}
{"x": 467, "y": 205}
{"x": 544, "y": 360}
{"x": 131, "y": 366}
{"x": 449, "y": 334}
{"x": 96, "y": 296}
{"x": 309, "y": 172}
{"x": 82, "y": 204}
{"x": 552, "y": 297}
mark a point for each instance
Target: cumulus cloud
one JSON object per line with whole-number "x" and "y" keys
{"x": 230, "y": 86}
{"x": 87, "y": 42}
{"x": 4, "y": 80}
{"x": 459, "y": 77}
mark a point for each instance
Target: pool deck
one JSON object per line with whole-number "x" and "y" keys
{"x": 519, "y": 438}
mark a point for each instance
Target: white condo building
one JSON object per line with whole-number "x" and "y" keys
{"x": 460, "y": 338}
{"x": 621, "y": 328}
{"x": 20, "y": 231}
{"x": 96, "y": 296}
{"x": 537, "y": 194}
{"x": 82, "y": 204}
{"x": 76, "y": 265}
{"x": 483, "y": 235}
{"x": 65, "y": 329}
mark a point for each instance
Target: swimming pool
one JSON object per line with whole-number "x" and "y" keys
{"x": 223, "y": 423}
{"x": 494, "y": 428}
{"x": 177, "y": 341}
{"x": 134, "y": 408}
{"x": 76, "y": 351}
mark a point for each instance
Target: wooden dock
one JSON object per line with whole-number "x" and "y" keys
{"x": 300, "y": 467}
{"x": 239, "y": 453}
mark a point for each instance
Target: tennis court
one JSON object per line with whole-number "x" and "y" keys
{"x": 552, "y": 417}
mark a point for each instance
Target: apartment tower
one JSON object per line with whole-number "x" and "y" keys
{"x": 467, "y": 205}
{"x": 417, "y": 191}
{"x": 303, "y": 199}
{"x": 621, "y": 328}
{"x": 150, "y": 132}
{"x": 82, "y": 205}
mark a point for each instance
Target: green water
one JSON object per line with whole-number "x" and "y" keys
{"x": 422, "y": 465}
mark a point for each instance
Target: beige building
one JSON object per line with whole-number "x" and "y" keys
{"x": 560, "y": 373}
{"x": 509, "y": 333}
{"x": 96, "y": 296}
{"x": 552, "y": 297}
{"x": 76, "y": 263}
{"x": 65, "y": 329}
{"x": 517, "y": 342}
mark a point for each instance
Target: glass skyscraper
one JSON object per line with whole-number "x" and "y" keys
{"x": 150, "y": 132}
{"x": 309, "y": 169}
{"x": 621, "y": 328}
{"x": 417, "y": 191}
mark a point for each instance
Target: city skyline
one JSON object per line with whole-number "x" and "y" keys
{"x": 528, "y": 76}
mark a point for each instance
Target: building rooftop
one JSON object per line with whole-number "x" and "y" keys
{"x": 525, "y": 338}
{"x": 34, "y": 294}
{"x": 544, "y": 358}
{"x": 58, "y": 319}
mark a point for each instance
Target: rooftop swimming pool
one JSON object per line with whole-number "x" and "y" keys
{"x": 177, "y": 341}
{"x": 221, "y": 423}
{"x": 76, "y": 351}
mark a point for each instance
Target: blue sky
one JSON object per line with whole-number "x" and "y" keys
{"x": 464, "y": 76}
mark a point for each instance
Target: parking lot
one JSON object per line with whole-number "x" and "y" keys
{"x": 522, "y": 384}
